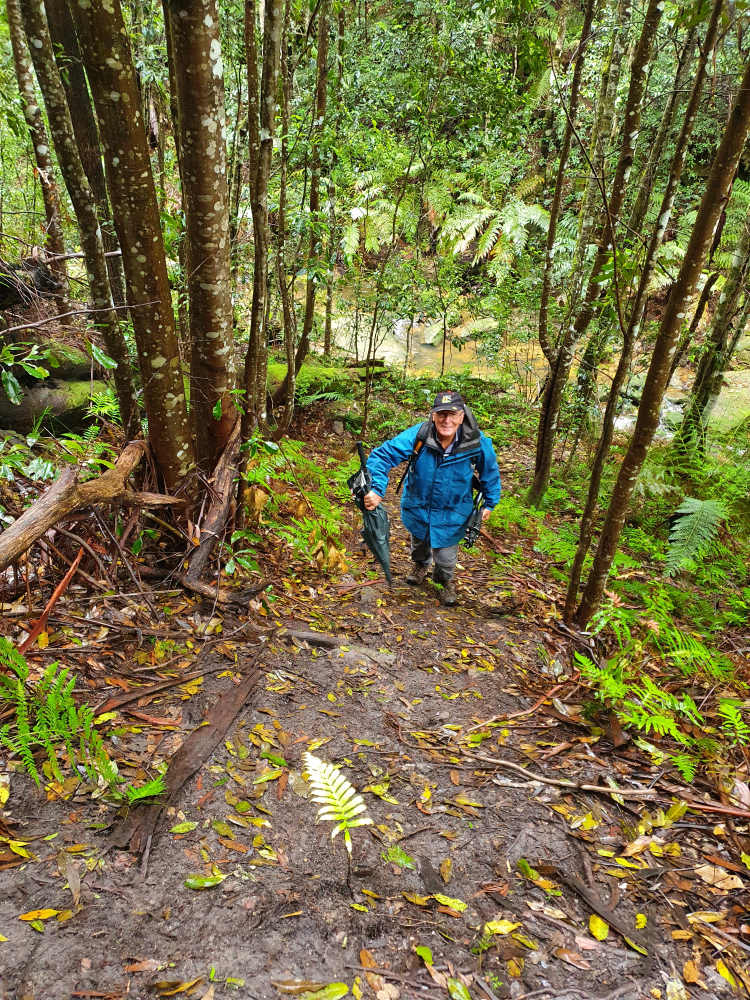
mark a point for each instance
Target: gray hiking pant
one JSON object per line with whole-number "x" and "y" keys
{"x": 445, "y": 558}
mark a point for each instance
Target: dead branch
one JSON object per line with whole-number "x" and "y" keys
{"x": 66, "y": 495}
{"x": 219, "y": 511}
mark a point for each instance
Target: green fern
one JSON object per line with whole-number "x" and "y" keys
{"x": 45, "y": 718}
{"x": 694, "y": 533}
{"x": 339, "y": 800}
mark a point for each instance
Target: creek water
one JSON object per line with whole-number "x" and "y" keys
{"x": 524, "y": 363}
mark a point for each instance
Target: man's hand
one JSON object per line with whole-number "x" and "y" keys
{"x": 486, "y": 514}
{"x": 372, "y": 500}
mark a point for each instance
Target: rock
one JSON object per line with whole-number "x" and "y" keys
{"x": 65, "y": 362}
{"x": 65, "y": 402}
{"x": 338, "y": 427}
{"x": 432, "y": 334}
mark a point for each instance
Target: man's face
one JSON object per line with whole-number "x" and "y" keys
{"x": 448, "y": 421}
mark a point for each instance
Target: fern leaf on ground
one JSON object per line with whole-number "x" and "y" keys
{"x": 339, "y": 800}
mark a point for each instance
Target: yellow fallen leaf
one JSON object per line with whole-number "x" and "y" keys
{"x": 681, "y": 935}
{"x": 515, "y": 967}
{"x": 726, "y": 974}
{"x": 4, "y": 789}
{"x": 598, "y": 927}
{"x": 38, "y": 914}
{"x": 706, "y": 916}
{"x": 500, "y": 926}
{"x": 19, "y": 847}
{"x": 446, "y": 870}
{"x": 640, "y": 921}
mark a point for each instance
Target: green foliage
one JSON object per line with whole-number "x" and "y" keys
{"x": 44, "y": 717}
{"x": 339, "y": 800}
{"x": 29, "y": 358}
{"x": 694, "y": 533}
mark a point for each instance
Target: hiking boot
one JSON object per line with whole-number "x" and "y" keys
{"x": 418, "y": 574}
{"x": 448, "y": 594}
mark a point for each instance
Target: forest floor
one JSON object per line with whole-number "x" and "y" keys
{"x": 436, "y": 715}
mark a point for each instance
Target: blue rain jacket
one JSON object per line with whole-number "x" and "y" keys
{"x": 437, "y": 500}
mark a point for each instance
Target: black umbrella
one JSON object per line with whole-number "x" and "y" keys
{"x": 376, "y": 529}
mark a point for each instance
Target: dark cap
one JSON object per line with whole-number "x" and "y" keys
{"x": 449, "y": 401}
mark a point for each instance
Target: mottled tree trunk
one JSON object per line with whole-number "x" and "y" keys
{"x": 636, "y": 314}
{"x": 199, "y": 82}
{"x": 40, "y": 45}
{"x": 549, "y": 416}
{"x": 601, "y": 134}
{"x": 106, "y": 52}
{"x": 289, "y": 318}
{"x": 55, "y": 243}
{"x": 715, "y": 354}
{"x": 68, "y": 58}
{"x": 646, "y": 180}
{"x": 554, "y": 212}
{"x": 714, "y": 198}
{"x": 261, "y": 107}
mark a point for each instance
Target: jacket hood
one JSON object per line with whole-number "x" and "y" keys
{"x": 469, "y": 435}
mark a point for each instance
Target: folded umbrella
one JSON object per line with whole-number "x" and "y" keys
{"x": 376, "y": 529}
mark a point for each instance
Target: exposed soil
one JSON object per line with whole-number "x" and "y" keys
{"x": 412, "y": 690}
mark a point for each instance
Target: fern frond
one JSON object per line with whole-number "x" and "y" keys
{"x": 339, "y": 800}
{"x": 694, "y": 533}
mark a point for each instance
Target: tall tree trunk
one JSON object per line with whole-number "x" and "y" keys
{"x": 109, "y": 66}
{"x": 55, "y": 243}
{"x": 638, "y": 305}
{"x": 601, "y": 134}
{"x": 261, "y": 116}
{"x": 68, "y": 58}
{"x": 645, "y": 183}
{"x": 714, "y": 199}
{"x": 199, "y": 76}
{"x": 554, "y": 213}
{"x": 40, "y": 45}
{"x": 550, "y": 412}
{"x": 285, "y": 294}
{"x": 714, "y": 356}
{"x": 316, "y": 133}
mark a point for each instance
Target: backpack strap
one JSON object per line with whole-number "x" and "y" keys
{"x": 419, "y": 441}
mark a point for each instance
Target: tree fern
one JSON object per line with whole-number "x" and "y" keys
{"x": 694, "y": 533}
{"x": 339, "y": 801}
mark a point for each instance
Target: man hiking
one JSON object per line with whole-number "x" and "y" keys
{"x": 444, "y": 454}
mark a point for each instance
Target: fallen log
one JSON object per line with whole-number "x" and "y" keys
{"x": 66, "y": 495}
{"x": 138, "y": 829}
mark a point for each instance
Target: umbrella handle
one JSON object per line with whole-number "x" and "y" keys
{"x": 362, "y": 456}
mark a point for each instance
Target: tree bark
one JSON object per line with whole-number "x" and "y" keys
{"x": 717, "y": 191}
{"x": 109, "y": 67}
{"x": 55, "y": 243}
{"x": 715, "y": 354}
{"x": 68, "y": 59}
{"x": 648, "y": 174}
{"x": 554, "y": 212}
{"x": 550, "y": 412}
{"x": 40, "y": 45}
{"x": 601, "y": 137}
{"x": 314, "y": 218}
{"x": 261, "y": 108}
{"x": 199, "y": 81}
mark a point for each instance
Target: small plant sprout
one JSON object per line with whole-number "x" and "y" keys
{"x": 339, "y": 800}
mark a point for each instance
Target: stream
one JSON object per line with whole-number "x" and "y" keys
{"x": 524, "y": 362}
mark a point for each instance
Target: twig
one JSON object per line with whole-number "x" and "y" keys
{"x": 41, "y": 623}
{"x": 629, "y": 793}
{"x": 73, "y": 312}
{"x": 518, "y": 715}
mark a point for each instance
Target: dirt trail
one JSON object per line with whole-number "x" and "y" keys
{"x": 469, "y": 860}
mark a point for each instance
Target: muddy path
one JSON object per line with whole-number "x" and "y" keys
{"x": 497, "y": 874}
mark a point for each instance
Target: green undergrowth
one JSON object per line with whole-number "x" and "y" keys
{"x": 52, "y": 735}
{"x": 292, "y": 496}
